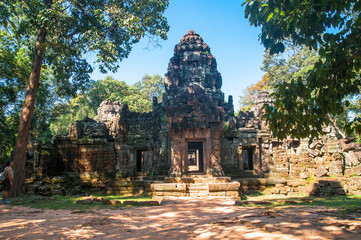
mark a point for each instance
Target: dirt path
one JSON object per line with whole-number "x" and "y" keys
{"x": 212, "y": 218}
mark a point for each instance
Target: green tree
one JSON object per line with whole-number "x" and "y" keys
{"x": 11, "y": 86}
{"x": 248, "y": 99}
{"x": 115, "y": 90}
{"x": 15, "y": 67}
{"x": 152, "y": 86}
{"x": 87, "y": 103}
{"x": 303, "y": 106}
{"x": 62, "y": 32}
{"x": 280, "y": 68}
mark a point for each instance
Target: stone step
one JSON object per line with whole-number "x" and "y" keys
{"x": 228, "y": 189}
{"x": 198, "y": 194}
{"x": 212, "y": 180}
{"x": 260, "y": 181}
{"x": 195, "y": 179}
{"x": 197, "y": 187}
{"x": 199, "y": 176}
{"x": 249, "y": 174}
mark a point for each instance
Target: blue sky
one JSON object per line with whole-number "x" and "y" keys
{"x": 222, "y": 25}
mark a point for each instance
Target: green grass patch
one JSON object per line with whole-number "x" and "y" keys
{"x": 251, "y": 195}
{"x": 69, "y": 202}
{"x": 344, "y": 203}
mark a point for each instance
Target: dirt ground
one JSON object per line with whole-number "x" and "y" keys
{"x": 200, "y": 218}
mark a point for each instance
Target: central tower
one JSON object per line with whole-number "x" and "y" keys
{"x": 194, "y": 105}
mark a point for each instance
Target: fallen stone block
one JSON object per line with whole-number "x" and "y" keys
{"x": 111, "y": 202}
{"x": 304, "y": 175}
{"x": 85, "y": 202}
{"x": 313, "y": 189}
{"x": 245, "y": 202}
{"x": 320, "y": 171}
{"x": 141, "y": 203}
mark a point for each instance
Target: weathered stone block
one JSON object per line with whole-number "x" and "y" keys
{"x": 85, "y": 201}
{"x": 320, "y": 171}
{"x": 339, "y": 191}
{"x": 275, "y": 190}
{"x": 347, "y": 145}
{"x": 356, "y": 170}
{"x": 313, "y": 189}
{"x": 305, "y": 175}
{"x": 351, "y": 159}
{"x": 169, "y": 187}
{"x": 141, "y": 203}
{"x": 111, "y": 202}
{"x": 274, "y": 181}
{"x": 244, "y": 188}
{"x": 280, "y": 170}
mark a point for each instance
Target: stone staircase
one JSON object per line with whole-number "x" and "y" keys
{"x": 198, "y": 190}
{"x": 196, "y": 186}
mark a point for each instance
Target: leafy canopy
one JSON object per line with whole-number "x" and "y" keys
{"x": 331, "y": 27}
{"x": 280, "y": 68}
{"x": 87, "y": 103}
{"x": 152, "y": 86}
{"x": 15, "y": 67}
{"x": 62, "y": 36}
{"x": 78, "y": 29}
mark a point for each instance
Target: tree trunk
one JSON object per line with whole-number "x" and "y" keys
{"x": 26, "y": 114}
{"x": 338, "y": 130}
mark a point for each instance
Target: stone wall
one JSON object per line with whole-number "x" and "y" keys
{"x": 87, "y": 148}
{"x": 146, "y": 133}
{"x": 322, "y": 186}
{"x": 71, "y": 183}
{"x": 246, "y": 135}
{"x": 112, "y": 144}
{"x": 294, "y": 158}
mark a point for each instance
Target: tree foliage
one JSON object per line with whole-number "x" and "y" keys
{"x": 15, "y": 67}
{"x": 61, "y": 34}
{"x": 248, "y": 99}
{"x": 152, "y": 86}
{"x": 302, "y": 106}
{"x": 280, "y": 68}
{"x": 87, "y": 103}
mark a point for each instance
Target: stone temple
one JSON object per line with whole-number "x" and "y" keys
{"x": 192, "y": 142}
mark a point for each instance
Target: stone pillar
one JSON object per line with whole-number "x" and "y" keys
{"x": 240, "y": 156}
{"x": 176, "y": 159}
{"x": 215, "y": 168}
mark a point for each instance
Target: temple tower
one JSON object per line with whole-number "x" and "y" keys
{"x": 194, "y": 105}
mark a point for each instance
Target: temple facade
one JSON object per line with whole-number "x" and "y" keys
{"x": 192, "y": 131}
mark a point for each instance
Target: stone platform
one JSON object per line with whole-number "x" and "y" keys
{"x": 196, "y": 186}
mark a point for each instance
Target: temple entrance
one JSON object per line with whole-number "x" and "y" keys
{"x": 247, "y": 158}
{"x": 140, "y": 160}
{"x": 195, "y": 156}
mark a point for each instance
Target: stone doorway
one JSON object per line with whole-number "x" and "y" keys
{"x": 195, "y": 157}
{"x": 247, "y": 153}
{"x": 141, "y": 155}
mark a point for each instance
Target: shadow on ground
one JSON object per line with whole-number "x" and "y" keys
{"x": 199, "y": 218}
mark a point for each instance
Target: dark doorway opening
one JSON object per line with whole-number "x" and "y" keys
{"x": 141, "y": 155}
{"x": 247, "y": 153}
{"x": 195, "y": 156}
